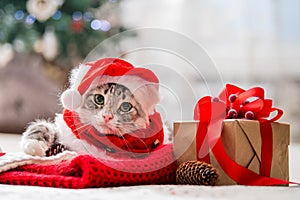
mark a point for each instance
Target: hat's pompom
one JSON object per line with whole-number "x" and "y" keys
{"x": 71, "y": 99}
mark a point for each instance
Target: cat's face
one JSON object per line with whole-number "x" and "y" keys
{"x": 112, "y": 109}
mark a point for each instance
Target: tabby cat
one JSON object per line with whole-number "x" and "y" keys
{"x": 110, "y": 108}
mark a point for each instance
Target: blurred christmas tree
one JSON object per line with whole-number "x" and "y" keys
{"x": 62, "y": 31}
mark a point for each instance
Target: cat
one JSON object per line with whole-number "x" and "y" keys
{"x": 110, "y": 112}
{"x": 110, "y": 108}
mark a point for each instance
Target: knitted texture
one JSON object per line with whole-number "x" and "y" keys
{"x": 85, "y": 171}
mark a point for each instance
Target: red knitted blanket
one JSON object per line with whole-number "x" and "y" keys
{"x": 85, "y": 171}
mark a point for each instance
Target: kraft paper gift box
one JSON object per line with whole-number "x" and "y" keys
{"x": 242, "y": 142}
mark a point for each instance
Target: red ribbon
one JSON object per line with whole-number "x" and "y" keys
{"x": 234, "y": 102}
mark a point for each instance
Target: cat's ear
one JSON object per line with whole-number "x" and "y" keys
{"x": 148, "y": 96}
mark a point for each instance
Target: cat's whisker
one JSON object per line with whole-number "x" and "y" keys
{"x": 71, "y": 117}
{"x": 89, "y": 128}
{"x": 81, "y": 126}
{"x": 130, "y": 127}
{"x": 128, "y": 144}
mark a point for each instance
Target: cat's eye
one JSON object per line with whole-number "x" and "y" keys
{"x": 99, "y": 99}
{"x": 126, "y": 107}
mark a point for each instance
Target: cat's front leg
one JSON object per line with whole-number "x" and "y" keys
{"x": 39, "y": 136}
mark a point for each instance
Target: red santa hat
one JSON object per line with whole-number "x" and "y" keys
{"x": 142, "y": 82}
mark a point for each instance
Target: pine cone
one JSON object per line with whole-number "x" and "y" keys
{"x": 196, "y": 173}
{"x": 55, "y": 149}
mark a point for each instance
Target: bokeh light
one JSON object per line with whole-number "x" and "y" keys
{"x": 77, "y": 15}
{"x": 19, "y": 14}
{"x": 57, "y": 15}
{"x": 30, "y": 19}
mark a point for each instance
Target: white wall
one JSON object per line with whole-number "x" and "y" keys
{"x": 251, "y": 42}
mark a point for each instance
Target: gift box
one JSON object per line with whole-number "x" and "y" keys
{"x": 242, "y": 142}
{"x": 237, "y": 133}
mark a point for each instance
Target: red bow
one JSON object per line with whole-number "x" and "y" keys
{"x": 249, "y": 104}
{"x": 238, "y": 103}
{"x": 234, "y": 102}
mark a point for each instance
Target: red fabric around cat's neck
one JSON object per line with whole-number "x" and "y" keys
{"x": 134, "y": 144}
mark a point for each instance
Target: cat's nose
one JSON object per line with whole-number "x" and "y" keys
{"x": 107, "y": 117}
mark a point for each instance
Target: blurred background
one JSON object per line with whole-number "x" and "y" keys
{"x": 250, "y": 43}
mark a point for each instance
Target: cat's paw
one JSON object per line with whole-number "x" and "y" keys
{"x": 38, "y": 138}
{"x": 34, "y": 147}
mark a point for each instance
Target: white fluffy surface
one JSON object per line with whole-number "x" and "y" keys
{"x": 156, "y": 192}
{"x": 9, "y": 143}
{"x": 13, "y": 160}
